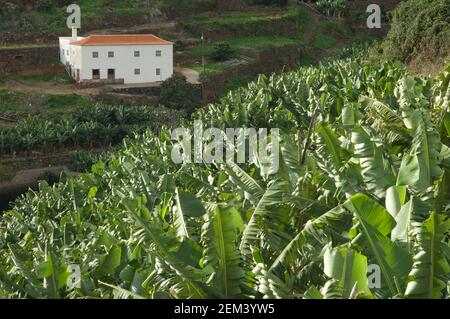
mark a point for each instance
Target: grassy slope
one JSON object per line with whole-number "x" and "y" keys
{"x": 54, "y": 19}
{"x": 22, "y": 103}
{"x": 323, "y": 36}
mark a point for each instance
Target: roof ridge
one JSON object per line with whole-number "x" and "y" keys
{"x": 121, "y": 39}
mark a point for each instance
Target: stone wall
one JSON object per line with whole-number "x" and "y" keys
{"x": 150, "y": 90}
{"x": 99, "y": 83}
{"x": 155, "y": 91}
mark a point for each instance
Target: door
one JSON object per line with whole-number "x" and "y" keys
{"x": 111, "y": 74}
{"x": 95, "y": 74}
{"x": 78, "y": 75}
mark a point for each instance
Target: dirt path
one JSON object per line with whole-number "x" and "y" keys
{"x": 191, "y": 75}
{"x": 60, "y": 88}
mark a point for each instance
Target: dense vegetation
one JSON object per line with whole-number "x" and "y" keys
{"x": 363, "y": 179}
{"x": 89, "y": 126}
{"x": 50, "y": 15}
{"x": 335, "y": 8}
{"x": 420, "y": 29}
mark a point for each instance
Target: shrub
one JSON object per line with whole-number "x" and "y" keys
{"x": 9, "y": 9}
{"x": 177, "y": 93}
{"x": 44, "y": 5}
{"x": 419, "y": 27}
{"x": 81, "y": 161}
{"x": 222, "y": 52}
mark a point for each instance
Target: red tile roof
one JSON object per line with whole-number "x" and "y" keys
{"x": 121, "y": 39}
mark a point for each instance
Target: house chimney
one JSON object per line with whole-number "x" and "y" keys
{"x": 74, "y": 33}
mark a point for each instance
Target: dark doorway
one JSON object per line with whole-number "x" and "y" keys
{"x": 111, "y": 74}
{"x": 96, "y": 74}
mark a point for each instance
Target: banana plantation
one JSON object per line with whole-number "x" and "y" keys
{"x": 94, "y": 126}
{"x": 359, "y": 207}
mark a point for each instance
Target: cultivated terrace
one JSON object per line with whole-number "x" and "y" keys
{"x": 335, "y": 184}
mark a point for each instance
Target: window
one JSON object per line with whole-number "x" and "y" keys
{"x": 110, "y": 54}
{"x": 137, "y": 71}
{"x": 137, "y": 54}
{"x": 158, "y": 71}
{"x": 158, "y": 52}
{"x": 67, "y": 52}
{"x": 95, "y": 54}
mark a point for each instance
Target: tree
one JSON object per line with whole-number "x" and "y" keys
{"x": 178, "y": 94}
{"x": 9, "y": 9}
{"x": 44, "y": 5}
{"x": 222, "y": 52}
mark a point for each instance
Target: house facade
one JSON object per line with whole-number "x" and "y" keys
{"x": 127, "y": 59}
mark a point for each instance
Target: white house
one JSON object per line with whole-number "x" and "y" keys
{"x": 124, "y": 58}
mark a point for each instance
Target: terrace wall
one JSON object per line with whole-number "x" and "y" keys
{"x": 28, "y": 60}
{"x": 267, "y": 61}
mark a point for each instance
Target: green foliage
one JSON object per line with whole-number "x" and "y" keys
{"x": 323, "y": 41}
{"x": 222, "y": 51}
{"x": 250, "y": 22}
{"x": 256, "y": 43}
{"x": 177, "y": 93}
{"x": 48, "y": 16}
{"x": 419, "y": 28}
{"x": 90, "y": 126}
{"x": 234, "y": 83}
{"x": 141, "y": 226}
{"x": 44, "y": 5}
{"x": 174, "y": 8}
{"x": 81, "y": 161}
{"x": 8, "y": 10}
{"x": 335, "y": 8}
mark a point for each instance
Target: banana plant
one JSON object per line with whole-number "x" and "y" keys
{"x": 371, "y": 189}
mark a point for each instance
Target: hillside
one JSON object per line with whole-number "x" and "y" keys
{"x": 334, "y": 185}
{"x": 165, "y": 218}
{"x": 420, "y": 35}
